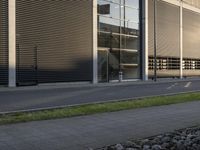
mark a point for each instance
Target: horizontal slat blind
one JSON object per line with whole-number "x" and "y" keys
{"x": 195, "y": 3}
{"x": 191, "y": 34}
{"x": 191, "y": 43}
{"x": 3, "y": 42}
{"x": 151, "y": 27}
{"x": 167, "y": 32}
{"x": 167, "y": 39}
{"x": 61, "y": 31}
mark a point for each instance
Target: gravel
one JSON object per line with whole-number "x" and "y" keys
{"x": 184, "y": 139}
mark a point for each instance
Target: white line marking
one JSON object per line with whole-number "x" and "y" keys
{"x": 188, "y": 84}
{"x": 173, "y": 85}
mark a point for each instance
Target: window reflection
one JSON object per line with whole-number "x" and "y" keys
{"x": 108, "y": 40}
{"x": 109, "y": 24}
{"x": 132, "y": 3}
{"x": 109, "y": 9}
{"x": 129, "y": 28}
{"x": 129, "y": 42}
{"x": 130, "y": 57}
{"x": 131, "y": 14}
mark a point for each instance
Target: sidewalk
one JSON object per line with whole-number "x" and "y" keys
{"x": 98, "y": 130}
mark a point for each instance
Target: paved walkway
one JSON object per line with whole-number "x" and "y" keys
{"x": 98, "y": 130}
{"x": 40, "y": 97}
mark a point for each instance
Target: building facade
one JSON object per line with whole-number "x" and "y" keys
{"x": 98, "y": 40}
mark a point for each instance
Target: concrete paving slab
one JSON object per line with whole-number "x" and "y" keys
{"x": 98, "y": 130}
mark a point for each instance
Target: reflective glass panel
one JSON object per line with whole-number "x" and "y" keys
{"x": 108, "y": 24}
{"x": 108, "y": 40}
{"x": 129, "y": 57}
{"x": 132, "y": 3}
{"x": 129, "y": 28}
{"x": 129, "y": 42}
{"x": 109, "y": 9}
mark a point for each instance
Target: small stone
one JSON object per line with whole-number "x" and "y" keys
{"x": 110, "y": 148}
{"x": 145, "y": 141}
{"x": 177, "y": 137}
{"x": 119, "y": 147}
{"x": 156, "y": 141}
{"x": 165, "y": 145}
{"x": 174, "y": 141}
{"x": 156, "y": 147}
{"x": 130, "y": 144}
{"x": 198, "y": 133}
{"x": 166, "y": 139}
{"x": 187, "y": 142}
{"x": 183, "y": 137}
{"x": 173, "y": 148}
{"x": 146, "y": 147}
{"x": 180, "y": 145}
{"x": 131, "y": 149}
{"x": 191, "y": 136}
{"x": 160, "y": 136}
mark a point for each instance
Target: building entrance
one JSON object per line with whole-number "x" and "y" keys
{"x": 118, "y": 40}
{"x": 108, "y": 64}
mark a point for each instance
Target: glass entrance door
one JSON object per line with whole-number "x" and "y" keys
{"x": 108, "y": 65}
{"x": 118, "y": 40}
{"x": 103, "y": 65}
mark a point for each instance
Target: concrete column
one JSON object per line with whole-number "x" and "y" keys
{"x": 95, "y": 40}
{"x": 145, "y": 40}
{"x": 181, "y": 39}
{"x": 12, "y": 42}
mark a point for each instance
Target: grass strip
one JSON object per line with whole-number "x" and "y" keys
{"x": 97, "y": 108}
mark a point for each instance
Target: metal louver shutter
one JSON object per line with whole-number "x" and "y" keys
{"x": 191, "y": 43}
{"x": 167, "y": 32}
{"x": 195, "y": 3}
{"x": 54, "y": 40}
{"x": 191, "y": 34}
{"x": 151, "y": 27}
{"x": 168, "y": 39}
{"x": 3, "y": 42}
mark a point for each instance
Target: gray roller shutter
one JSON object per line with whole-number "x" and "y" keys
{"x": 191, "y": 34}
{"x": 195, "y": 3}
{"x": 54, "y": 40}
{"x": 3, "y": 42}
{"x": 168, "y": 38}
{"x": 151, "y": 27}
{"x": 191, "y": 43}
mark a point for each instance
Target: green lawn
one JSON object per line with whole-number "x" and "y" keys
{"x": 98, "y": 108}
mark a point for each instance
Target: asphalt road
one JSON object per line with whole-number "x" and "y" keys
{"x": 25, "y": 98}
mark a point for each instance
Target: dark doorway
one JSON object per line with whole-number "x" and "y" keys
{"x": 26, "y": 65}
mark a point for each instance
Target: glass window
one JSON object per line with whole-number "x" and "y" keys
{"x": 130, "y": 28}
{"x": 131, "y": 14}
{"x": 114, "y": 65}
{"x": 113, "y": 1}
{"x": 109, "y": 9}
{"x": 108, "y": 40}
{"x": 129, "y": 42}
{"x": 132, "y": 3}
{"x": 118, "y": 36}
{"x": 128, "y": 57}
{"x": 130, "y": 72}
{"x": 108, "y": 24}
